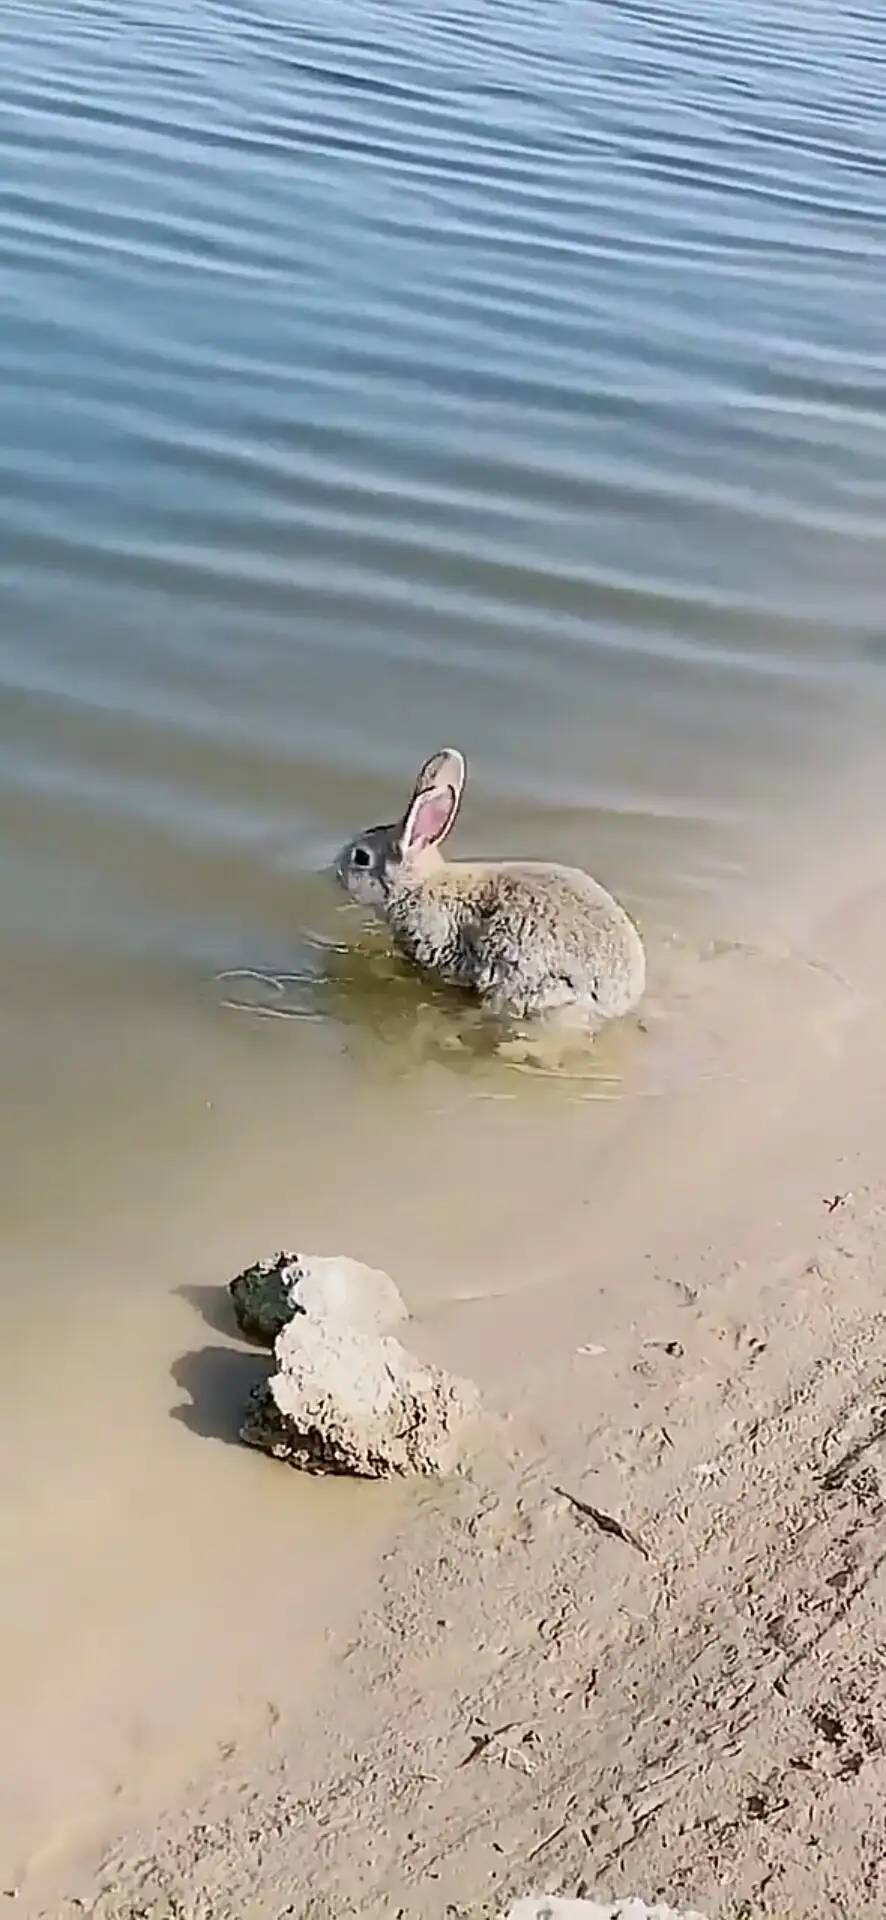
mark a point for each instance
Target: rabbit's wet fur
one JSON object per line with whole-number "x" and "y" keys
{"x": 527, "y": 937}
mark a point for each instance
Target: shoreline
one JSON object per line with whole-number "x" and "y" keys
{"x": 693, "y": 1346}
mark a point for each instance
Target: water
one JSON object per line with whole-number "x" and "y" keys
{"x": 379, "y": 375}
{"x": 376, "y": 376}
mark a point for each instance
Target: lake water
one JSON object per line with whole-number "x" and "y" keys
{"x": 374, "y": 376}
{"x": 380, "y": 375}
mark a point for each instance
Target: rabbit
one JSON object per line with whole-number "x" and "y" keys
{"x": 527, "y": 937}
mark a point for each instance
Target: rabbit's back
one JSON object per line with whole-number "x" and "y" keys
{"x": 527, "y": 937}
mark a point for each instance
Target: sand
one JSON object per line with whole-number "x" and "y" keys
{"x": 637, "y": 1645}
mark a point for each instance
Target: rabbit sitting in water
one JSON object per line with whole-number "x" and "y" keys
{"x": 527, "y": 937}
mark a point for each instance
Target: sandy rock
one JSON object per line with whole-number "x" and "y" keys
{"x": 267, "y": 1295}
{"x": 546, "y": 1907}
{"x": 332, "y": 1287}
{"x": 347, "y": 1401}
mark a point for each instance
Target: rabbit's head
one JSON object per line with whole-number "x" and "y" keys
{"x": 380, "y": 859}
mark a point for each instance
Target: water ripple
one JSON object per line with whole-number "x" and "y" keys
{"x": 377, "y": 373}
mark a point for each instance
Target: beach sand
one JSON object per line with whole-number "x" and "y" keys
{"x": 635, "y": 1646}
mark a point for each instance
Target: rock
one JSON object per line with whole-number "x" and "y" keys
{"x": 334, "y": 1288}
{"x": 347, "y": 1401}
{"x": 267, "y": 1295}
{"x": 345, "y": 1396}
{"x": 547, "y": 1907}
{"x": 261, "y": 1297}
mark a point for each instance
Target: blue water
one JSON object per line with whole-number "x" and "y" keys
{"x": 379, "y": 375}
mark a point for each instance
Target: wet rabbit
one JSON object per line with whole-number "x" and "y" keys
{"x": 528, "y": 937}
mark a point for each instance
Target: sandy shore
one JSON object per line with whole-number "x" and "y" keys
{"x": 689, "y": 1338}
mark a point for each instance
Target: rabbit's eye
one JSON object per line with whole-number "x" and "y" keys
{"x": 361, "y": 857}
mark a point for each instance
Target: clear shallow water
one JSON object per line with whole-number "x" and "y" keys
{"x": 376, "y": 375}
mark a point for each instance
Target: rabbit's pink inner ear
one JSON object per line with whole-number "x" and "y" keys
{"x": 430, "y": 817}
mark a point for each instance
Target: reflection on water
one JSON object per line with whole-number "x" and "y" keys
{"x": 398, "y": 1019}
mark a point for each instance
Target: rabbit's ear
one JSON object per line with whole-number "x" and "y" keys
{"x": 429, "y": 819}
{"x": 445, "y": 768}
{"x": 434, "y": 804}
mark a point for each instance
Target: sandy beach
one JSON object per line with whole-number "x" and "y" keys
{"x": 633, "y": 1646}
